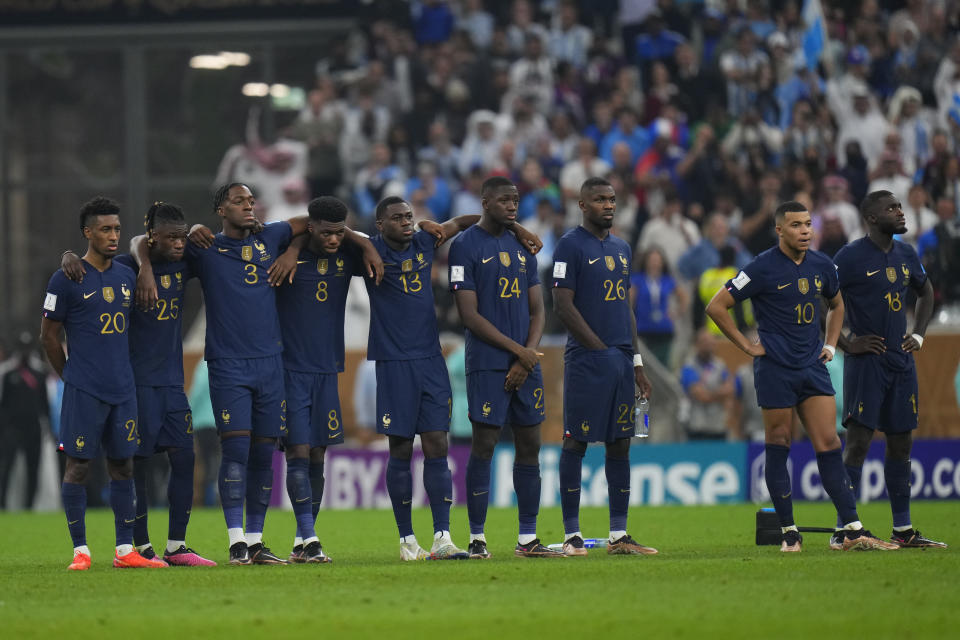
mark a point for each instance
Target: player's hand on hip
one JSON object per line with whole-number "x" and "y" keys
{"x": 146, "y": 293}
{"x": 867, "y": 344}
{"x": 528, "y": 358}
{"x": 756, "y": 350}
{"x": 72, "y": 266}
{"x": 434, "y": 229}
{"x": 516, "y": 376}
{"x": 910, "y": 344}
{"x": 282, "y": 269}
{"x": 201, "y": 236}
{"x": 826, "y": 355}
{"x": 643, "y": 385}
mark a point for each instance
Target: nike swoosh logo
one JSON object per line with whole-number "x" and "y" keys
{"x": 624, "y": 490}
{"x": 141, "y": 517}
{"x": 872, "y": 273}
{"x": 486, "y": 260}
{"x": 783, "y": 286}
{"x": 304, "y": 500}
{"x": 627, "y": 428}
{"x": 72, "y": 523}
{"x": 572, "y": 490}
{"x": 592, "y": 261}
{"x": 448, "y": 500}
{"x": 222, "y": 250}
{"x": 231, "y": 480}
{"x": 125, "y": 521}
{"x": 266, "y": 488}
{"x": 784, "y": 497}
{"x": 87, "y": 295}
{"x": 407, "y": 501}
{"x": 302, "y": 261}
{"x": 480, "y": 493}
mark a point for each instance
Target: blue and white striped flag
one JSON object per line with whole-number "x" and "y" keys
{"x": 815, "y": 35}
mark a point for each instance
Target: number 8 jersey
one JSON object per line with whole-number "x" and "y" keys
{"x": 96, "y": 317}
{"x": 786, "y": 300}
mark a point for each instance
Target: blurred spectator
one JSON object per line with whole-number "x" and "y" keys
{"x": 757, "y": 229}
{"x": 711, "y": 280}
{"x": 889, "y": 176}
{"x": 805, "y": 140}
{"x": 747, "y": 70}
{"x": 754, "y": 144}
{"x": 657, "y": 168}
{"x": 477, "y": 22}
{"x": 482, "y": 144}
{"x": 533, "y": 73}
{"x": 549, "y": 223}
{"x": 946, "y": 83}
{"x": 365, "y": 124}
{"x": 865, "y": 125}
{"x": 467, "y": 200}
{"x": 669, "y": 230}
{"x": 432, "y": 21}
{"x": 524, "y": 126}
{"x": 523, "y": 24}
{"x": 296, "y": 196}
{"x": 750, "y": 415}
{"x": 563, "y": 139}
{"x": 939, "y": 250}
{"x": 697, "y": 85}
{"x": 534, "y": 187}
{"x": 319, "y": 125}
{"x": 658, "y": 43}
{"x": 569, "y": 40}
{"x": 627, "y": 130}
{"x": 364, "y": 408}
{"x": 435, "y": 190}
{"x": 855, "y": 170}
{"x": 701, "y": 169}
{"x": 837, "y": 205}
{"x": 710, "y": 391}
{"x": 444, "y": 155}
{"x": 378, "y": 179}
{"x": 840, "y": 90}
{"x": 461, "y": 429}
{"x": 602, "y": 123}
{"x": 585, "y": 164}
{"x": 206, "y": 438}
{"x": 934, "y": 171}
{"x": 706, "y": 254}
{"x": 919, "y": 217}
{"x": 656, "y": 299}
{"x": 660, "y": 92}
{"x": 904, "y": 114}
{"x": 24, "y": 412}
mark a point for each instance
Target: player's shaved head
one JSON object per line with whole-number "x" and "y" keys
{"x": 99, "y": 206}
{"x": 872, "y": 202}
{"x": 592, "y": 183}
{"x": 329, "y": 209}
{"x": 384, "y": 204}
{"x": 790, "y": 206}
{"x": 493, "y": 184}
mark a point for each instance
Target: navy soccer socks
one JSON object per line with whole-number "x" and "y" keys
{"x": 74, "y": 498}
{"x": 618, "y": 491}
{"x": 299, "y": 491}
{"x": 259, "y": 487}
{"x": 439, "y": 486}
{"x": 571, "y": 468}
{"x": 233, "y": 479}
{"x": 400, "y": 488}
{"x": 526, "y": 483}
{"x": 778, "y": 482}
{"x": 478, "y": 493}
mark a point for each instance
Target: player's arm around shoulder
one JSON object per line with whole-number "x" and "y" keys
{"x": 372, "y": 261}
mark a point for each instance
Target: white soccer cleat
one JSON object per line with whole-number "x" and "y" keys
{"x": 411, "y": 551}
{"x": 444, "y": 549}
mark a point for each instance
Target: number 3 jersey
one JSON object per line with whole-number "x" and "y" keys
{"x": 500, "y": 271}
{"x": 96, "y": 316}
{"x": 874, "y": 284}
{"x": 598, "y": 272}
{"x": 156, "y": 336}
{"x": 786, "y": 300}
{"x": 241, "y": 305}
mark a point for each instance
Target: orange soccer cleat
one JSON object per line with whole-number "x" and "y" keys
{"x": 81, "y": 562}
{"x": 134, "y": 560}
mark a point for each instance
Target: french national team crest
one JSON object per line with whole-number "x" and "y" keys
{"x": 818, "y": 283}
{"x": 246, "y": 253}
{"x": 505, "y": 258}
{"x": 608, "y": 260}
{"x": 322, "y": 266}
{"x": 891, "y": 274}
{"x": 165, "y": 281}
{"x": 108, "y": 294}
{"x": 803, "y": 285}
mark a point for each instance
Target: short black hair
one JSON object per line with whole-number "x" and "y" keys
{"x": 163, "y": 212}
{"x": 222, "y": 192}
{"x": 327, "y": 208}
{"x": 871, "y": 200}
{"x": 790, "y": 206}
{"x": 592, "y": 182}
{"x": 493, "y": 183}
{"x": 99, "y": 206}
{"x": 386, "y": 202}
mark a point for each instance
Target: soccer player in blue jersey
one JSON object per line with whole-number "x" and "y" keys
{"x": 312, "y": 308}
{"x": 879, "y": 375}
{"x": 243, "y": 351}
{"x": 787, "y": 284}
{"x": 602, "y": 364}
{"x": 156, "y": 353}
{"x": 99, "y": 399}
{"x": 413, "y": 386}
{"x": 500, "y": 302}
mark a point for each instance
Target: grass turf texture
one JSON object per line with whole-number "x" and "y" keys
{"x": 709, "y": 580}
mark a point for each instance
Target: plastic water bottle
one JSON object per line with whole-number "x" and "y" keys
{"x": 641, "y": 419}
{"x": 588, "y": 543}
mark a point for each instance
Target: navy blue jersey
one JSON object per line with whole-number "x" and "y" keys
{"x": 241, "y": 305}
{"x": 312, "y": 309}
{"x": 786, "y": 301}
{"x": 874, "y": 285}
{"x": 156, "y": 336}
{"x": 501, "y": 271}
{"x": 403, "y": 321}
{"x": 96, "y": 318}
{"x": 598, "y": 272}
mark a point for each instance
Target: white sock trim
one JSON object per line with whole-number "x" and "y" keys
{"x": 411, "y": 539}
{"x": 124, "y": 549}
{"x": 792, "y": 527}
{"x": 311, "y": 539}
{"x": 81, "y": 549}
{"x": 254, "y": 538}
{"x": 173, "y": 545}
{"x": 478, "y": 536}
{"x": 143, "y": 547}
{"x": 567, "y": 536}
{"x": 526, "y": 538}
{"x": 902, "y": 529}
{"x": 236, "y": 535}
{"x": 298, "y": 541}
{"x": 616, "y": 535}
{"x": 856, "y": 525}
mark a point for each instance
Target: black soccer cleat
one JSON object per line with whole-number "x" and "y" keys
{"x": 148, "y": 553}
{"x": 296, "y": 555}
{"x": 534, "y": 549}
{"x": 313, "y": 554}
{"x": 478, "y": 550}
{"x": 261, "y": 554}
{"x": 913, "y": 539}
{"x": 240, "y": 553}
{"x": 792, "y": 542}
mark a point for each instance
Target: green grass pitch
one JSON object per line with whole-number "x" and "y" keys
{"x": 709, "y": 581}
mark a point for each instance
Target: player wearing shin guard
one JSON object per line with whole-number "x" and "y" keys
{"x": 591, "y": 280}
{"x": 879, "y": 375}
{"x": 500, "y": 303}
{"x": 99, "y": 399}
{"x": 787, "y": 284}
{"x": 413, "y": 386}
{"x": 312, "y": 305}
